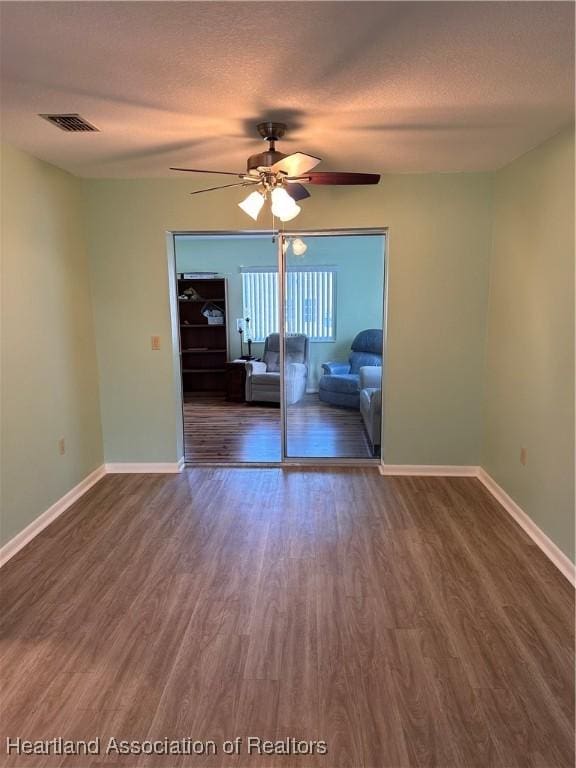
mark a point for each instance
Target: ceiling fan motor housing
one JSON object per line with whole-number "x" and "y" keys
{"x": 271, "y": 132}
{"x": 264, "y": 159}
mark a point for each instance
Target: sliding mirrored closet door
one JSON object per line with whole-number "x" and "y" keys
{"x": 333, "y": 311}
{"x": 227, "y": 309}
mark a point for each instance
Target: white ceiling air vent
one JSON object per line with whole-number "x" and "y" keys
{"x": 70, "y": 122}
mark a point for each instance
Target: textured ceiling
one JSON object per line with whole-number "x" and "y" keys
{"x": 377, "y": 86}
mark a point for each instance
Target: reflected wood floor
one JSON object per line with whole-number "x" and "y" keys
{"x": 216, "y": 430}
{"x": 316, "y": 429}
{"x": 405, "y": 621}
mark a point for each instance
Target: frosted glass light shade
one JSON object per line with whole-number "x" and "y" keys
{"x": 252, "y": 205}
{"x": 291, "y": 214}
{"x": 283, "y": 206}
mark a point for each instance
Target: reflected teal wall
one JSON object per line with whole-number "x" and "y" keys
{"x": 359, "y": 283}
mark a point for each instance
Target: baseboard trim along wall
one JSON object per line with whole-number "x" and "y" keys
{"x": 43, "y": 520}
{"x": 427, "y": 470}
{"x": 550, "y": 549}
{"x": 125, "y": 468}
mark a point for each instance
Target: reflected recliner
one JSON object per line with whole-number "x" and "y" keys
{"x": 263, "y": 376}
{"x": 339, "y": 385}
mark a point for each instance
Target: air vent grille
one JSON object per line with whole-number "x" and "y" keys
{"x": 71, "y": 122}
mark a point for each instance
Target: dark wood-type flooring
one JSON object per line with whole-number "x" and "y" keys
{"x": 405, "y": 621}
{"x": 216, "y": 430}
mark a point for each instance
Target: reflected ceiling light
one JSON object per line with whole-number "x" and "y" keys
{"x": 252, "y": 205}
{"x": 299, "y": 247}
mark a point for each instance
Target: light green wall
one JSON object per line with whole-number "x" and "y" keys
{"x": 529, "y": 395}
{"x": 49, "y": 376}
{"x": 359, "y": 283}
{"x": 439, "y": 240}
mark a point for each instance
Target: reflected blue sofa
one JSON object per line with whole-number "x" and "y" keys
{"x": 339, "y": 384}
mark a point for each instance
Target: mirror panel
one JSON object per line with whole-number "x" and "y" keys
{"x": 333, "y": 345}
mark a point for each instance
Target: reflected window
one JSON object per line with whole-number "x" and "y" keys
{"x": 310, "y": 301}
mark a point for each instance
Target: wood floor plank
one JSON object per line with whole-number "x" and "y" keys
{"x": 405, "y": 621}
{"x": 469, "y": 734}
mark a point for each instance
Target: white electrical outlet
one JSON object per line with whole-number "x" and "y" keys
{"x": 239, "y": 324}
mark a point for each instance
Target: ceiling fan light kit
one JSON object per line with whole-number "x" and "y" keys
{"x": 281, "y": 176}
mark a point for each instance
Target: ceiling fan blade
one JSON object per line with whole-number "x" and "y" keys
{"x": 329, "y": 177}
{"x": 198, "y": 170}
{"x": 224, "y": 186}
{"x": 297, "y": 191}
{"x": 296, "y": 164}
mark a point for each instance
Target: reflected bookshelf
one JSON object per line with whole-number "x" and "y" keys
{"x": 202, "y": 309}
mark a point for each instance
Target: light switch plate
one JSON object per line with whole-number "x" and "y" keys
{"x": 155, "y": 342}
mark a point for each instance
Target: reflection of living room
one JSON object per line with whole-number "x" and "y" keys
{"x": 333, "y": 306}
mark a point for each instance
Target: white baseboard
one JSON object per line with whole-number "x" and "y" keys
{"x": 550, "y": 549}
{"x": 125, "y": 468}
{"x": 427, "y": 470}
{"x": 33, "y": 529}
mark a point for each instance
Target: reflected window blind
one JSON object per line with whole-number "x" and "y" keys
{"x": 310, "y": 301}
{"x": 260, "y": 300}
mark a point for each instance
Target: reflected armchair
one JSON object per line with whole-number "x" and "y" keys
{"x": 340, "y": 382}
{"x": 263, "y": 376}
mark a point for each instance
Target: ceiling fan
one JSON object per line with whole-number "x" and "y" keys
{"x": 282, "y": 177}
